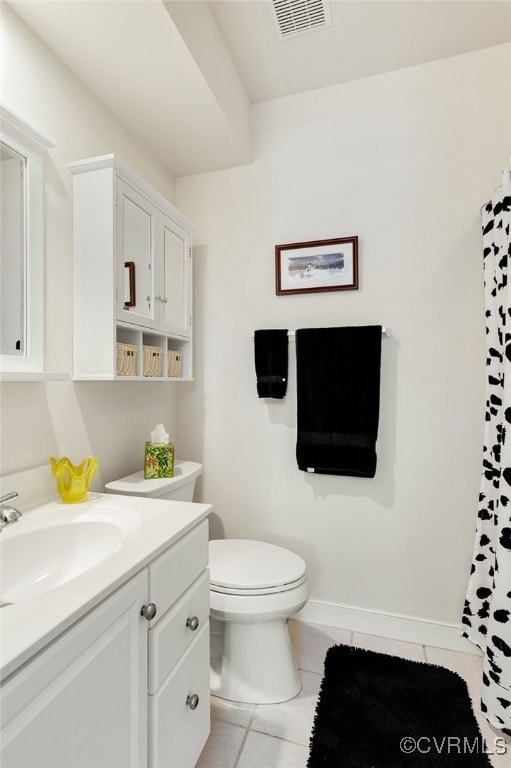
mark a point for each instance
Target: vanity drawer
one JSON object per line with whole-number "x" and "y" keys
{"x": 177, "y": 732}
{"x": 172, "y": 573}
{"x": 171, "y": 636}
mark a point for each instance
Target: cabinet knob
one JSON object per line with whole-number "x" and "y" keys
{"x": 192, "y": 701}
{"x": 192, "y": 623}
{"x": 148, "y": 611}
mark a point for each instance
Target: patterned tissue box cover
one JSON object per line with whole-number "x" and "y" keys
{"x": 159, "y": 460}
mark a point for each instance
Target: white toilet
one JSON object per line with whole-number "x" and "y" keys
{"x": 255, "y": 588}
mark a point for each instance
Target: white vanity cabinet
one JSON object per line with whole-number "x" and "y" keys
{"x": 82, "y": 701}
{"x": 179, "y": 712}
{"x": 121, "y": 688}
{"x": 132, "y": 272}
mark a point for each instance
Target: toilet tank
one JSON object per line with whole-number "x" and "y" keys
{"x": 177, "y": 488}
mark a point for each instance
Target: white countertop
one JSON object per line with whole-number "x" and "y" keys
{"x": 147, "y": 528}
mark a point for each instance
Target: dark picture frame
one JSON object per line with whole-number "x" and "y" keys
{"x": 317, "y": 266}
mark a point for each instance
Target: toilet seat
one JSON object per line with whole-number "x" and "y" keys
{"x": 244, "y": 567}
{"x": 262, "y": 591}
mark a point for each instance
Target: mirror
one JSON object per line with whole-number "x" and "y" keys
{"x": 21, "y": 245}
{"x": 12, "y": 251}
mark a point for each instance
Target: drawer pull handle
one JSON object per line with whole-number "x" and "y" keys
{"x": 192, "y": 623}
{"x": 148, "y": 611}
{"x": 192, "y": 701}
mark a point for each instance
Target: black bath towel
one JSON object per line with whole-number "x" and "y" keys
{"x": 270, "y": 349}
{"x": 338, "y": 399}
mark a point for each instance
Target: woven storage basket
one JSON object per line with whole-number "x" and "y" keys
{"x": 174, "y": 363}
{"x": 125, "y": 359}
{"x": 152, "y": 360}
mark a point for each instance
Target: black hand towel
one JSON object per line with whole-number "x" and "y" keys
{"x": 338, "y": 399}
{"x": 270, "y": 349}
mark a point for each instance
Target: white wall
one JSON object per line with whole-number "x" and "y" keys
{"x": 404, "y": 161}
{"x": 108, "y": 420}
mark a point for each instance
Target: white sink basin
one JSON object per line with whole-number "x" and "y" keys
{"x": 60, "y": 560}
{"x": 36, "y": 561}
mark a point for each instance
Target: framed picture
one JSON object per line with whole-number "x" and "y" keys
{"x": 316, "y": 266}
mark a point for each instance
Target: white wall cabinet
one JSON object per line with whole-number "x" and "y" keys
{"x": 176, "y": 285}
{"x": 132, "y": 270}
{"x": 136, "y": 233}
{"x": 117, "y": 690}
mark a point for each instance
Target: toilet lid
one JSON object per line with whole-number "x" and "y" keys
{"x": 243, "y": 566}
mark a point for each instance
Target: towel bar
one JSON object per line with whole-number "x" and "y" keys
{"x": 385, "y": 331}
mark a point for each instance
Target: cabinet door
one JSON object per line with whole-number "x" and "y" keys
{"x": 136, "y": 221}
{"x": 171, "y": 573}
{"x": 82, "y": 702}
{"x": 174, "y": 288}
{"x": 172, "y": 635}
{"x": 179, "y": 726}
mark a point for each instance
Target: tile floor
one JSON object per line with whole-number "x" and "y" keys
{"x": 277, "y": 735}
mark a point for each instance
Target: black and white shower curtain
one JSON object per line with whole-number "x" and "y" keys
{"x": 487, "y": 612}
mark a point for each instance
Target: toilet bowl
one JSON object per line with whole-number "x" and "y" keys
{"x": 255, "y": 588}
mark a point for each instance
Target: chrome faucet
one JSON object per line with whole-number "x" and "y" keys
{"x": 8, "y": 514}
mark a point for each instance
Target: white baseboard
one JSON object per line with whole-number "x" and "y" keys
{"x": 389, "y": 625}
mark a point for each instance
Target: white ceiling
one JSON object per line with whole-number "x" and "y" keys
{"x": 367, "y": 37}
{"x": 181, "y": 74}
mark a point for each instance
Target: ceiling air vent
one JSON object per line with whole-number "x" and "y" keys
{"x": 297, "y": 17}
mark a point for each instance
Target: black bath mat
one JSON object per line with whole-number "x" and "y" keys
{"x": 379, "y": 711}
